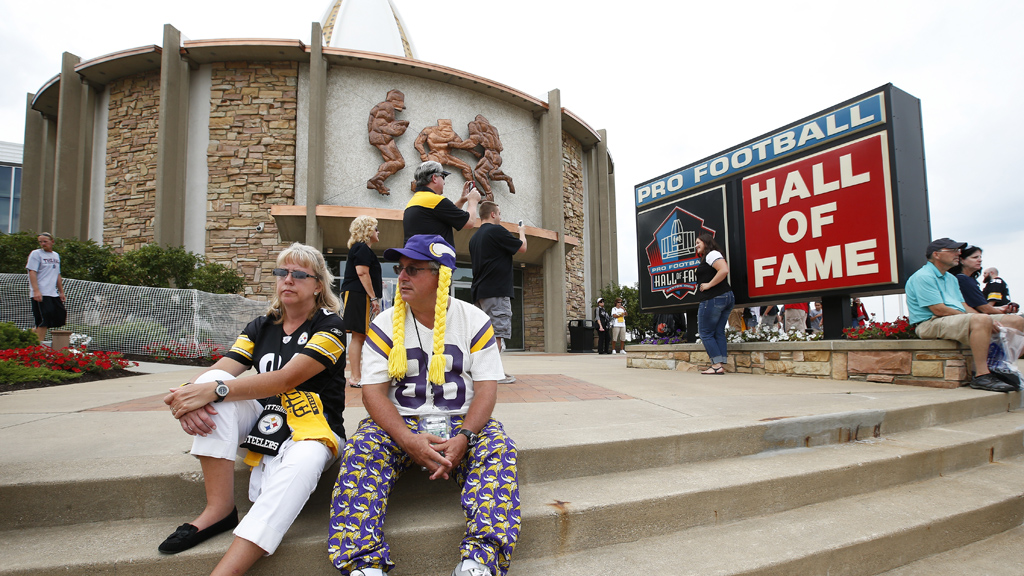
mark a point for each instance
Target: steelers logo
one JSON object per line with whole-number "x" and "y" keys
{"x": 302, "y": 339}
{"x": 271, "y": 423}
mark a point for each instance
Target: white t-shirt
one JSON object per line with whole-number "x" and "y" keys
{"x": 712, "y": 256}
{"x": 618, "y": 316}
{"x": 471, "y": 353}
{"x": 47, "y": 268}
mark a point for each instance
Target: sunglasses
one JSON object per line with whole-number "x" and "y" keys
{"x": 412, "y": 271}
{"x": 296, "y": 274}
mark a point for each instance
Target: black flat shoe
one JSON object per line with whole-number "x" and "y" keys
{"x": 187, "y": 535}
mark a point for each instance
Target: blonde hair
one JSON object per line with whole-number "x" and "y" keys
{"x": 397, "y": 361}
{"x": 311, "y": 258}
{"x": 361, "y": 229}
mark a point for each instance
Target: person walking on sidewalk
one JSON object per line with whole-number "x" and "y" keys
{"x": 361, "y": 289}
{"x": 618, "y": 328}
{"x": 46, "y": 287}
{"x": 491, "y": 250}
{"x": 716, "y": 301}
{"x": 604, "y": 327}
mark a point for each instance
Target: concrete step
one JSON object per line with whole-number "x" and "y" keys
{"x": 999, "y": 555}
{"x": 111, "y": 489}
{"x": 854, "y": 536}
{"x": 562, "y": 518}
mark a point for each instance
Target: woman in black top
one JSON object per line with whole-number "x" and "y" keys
{"x": 289, "y": 414}
{"x": 716, "y": 301}
{"x": 360, "y": 290}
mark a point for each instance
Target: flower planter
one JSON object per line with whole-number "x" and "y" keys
{"x": 932, "y": 363}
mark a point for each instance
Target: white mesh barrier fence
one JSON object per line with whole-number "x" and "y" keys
{"x": 139, "y": 320}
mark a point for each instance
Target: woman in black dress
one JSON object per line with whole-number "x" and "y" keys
{"x": 361, "y": 290}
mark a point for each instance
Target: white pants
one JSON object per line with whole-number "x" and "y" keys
{"x": 279, "y": 486}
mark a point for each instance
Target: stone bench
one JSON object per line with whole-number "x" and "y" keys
{"x": 932, "y": 363}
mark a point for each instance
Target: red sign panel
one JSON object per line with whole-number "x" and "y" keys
{"x": 822, "y": 222}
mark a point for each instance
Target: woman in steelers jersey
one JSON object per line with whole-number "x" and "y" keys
{"x": 289, "y": 414}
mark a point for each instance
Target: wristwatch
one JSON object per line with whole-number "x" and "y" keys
{"x": 472, "y": 437}
{"x": 221, "y": 390}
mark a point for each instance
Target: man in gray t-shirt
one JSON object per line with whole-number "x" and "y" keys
{"x": 46, "y": 286}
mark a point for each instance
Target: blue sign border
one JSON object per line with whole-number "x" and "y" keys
{"x": 836, "y": 124}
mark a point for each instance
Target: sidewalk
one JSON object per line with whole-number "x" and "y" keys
{"x": 113, "y": 428}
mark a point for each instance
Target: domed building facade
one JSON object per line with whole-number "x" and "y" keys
{"x": 234, "y": 148}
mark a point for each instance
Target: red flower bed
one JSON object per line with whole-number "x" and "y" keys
{"x": 898, "y": 330}
{"x": 67, "y": 359}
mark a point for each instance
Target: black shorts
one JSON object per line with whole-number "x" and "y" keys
{"x": 357, "y": 311}
{"x": 50, "y": 313}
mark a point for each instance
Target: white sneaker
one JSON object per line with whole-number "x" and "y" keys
{"x": 508, "y": 379}
{"x": 471, "y": 568}
{"x": 615, "y": 351}
{"x": 367, "y": 572}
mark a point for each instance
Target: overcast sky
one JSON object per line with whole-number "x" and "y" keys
{"x": 672, "y": 82}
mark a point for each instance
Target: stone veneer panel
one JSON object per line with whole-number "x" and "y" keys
{"x": 533, "y": 308}
{"x": 572, "y": 191}
{"x": 130, "y": 180}
{"x": 251, "y": 159}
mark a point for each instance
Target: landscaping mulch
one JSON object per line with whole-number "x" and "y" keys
{"x": 108, "y": 374}
{"x": 86, "y": 377}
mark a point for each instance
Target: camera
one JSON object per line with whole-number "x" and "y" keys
{"x": 259, "y": 227}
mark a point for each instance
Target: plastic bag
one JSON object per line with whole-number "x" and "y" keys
{"x": 1003, "y": 351}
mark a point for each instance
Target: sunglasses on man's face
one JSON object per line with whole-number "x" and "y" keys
{"x": 296, "y": 274}
{"x": 411, "y": 271}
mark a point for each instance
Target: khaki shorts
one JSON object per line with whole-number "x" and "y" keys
{"x": 956, "y": 327}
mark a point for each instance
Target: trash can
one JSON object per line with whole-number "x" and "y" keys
{"x": 581, "y": 335}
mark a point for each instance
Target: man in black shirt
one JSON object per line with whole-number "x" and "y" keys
{"x": 491, "y": 248}
{"x": 429, "y": 212}
{"x": 996, "y": 291}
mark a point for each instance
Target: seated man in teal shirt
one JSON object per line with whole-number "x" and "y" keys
{"x": 938, "y": 309}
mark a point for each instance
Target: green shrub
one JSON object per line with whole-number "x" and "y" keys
{"x": 80, "y": 259}
{"x": 14, "y": 373}
{"x": 151, "y": 265}
{"x": 13, "y": 338}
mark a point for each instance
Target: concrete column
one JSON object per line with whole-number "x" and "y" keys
{"x": 317, "y": 136}
{"x": 613, "y": 225}
{"x": 49, "y": 154}
{"x": 32, "y": 189}
{"x": 553, "y": 218}
{"x": 83, "y": 196}
{"x": 606, "y": 243}
{"x": 68, "y": 184}
{"x": 172, "y": 138}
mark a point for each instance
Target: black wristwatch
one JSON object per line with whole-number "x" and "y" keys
{"x": 472, "y": 437}
{"x": 221, "y": 390}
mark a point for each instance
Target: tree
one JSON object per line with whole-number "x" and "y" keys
{"x": 638, "y": 323}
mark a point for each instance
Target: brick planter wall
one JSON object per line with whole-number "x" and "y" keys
{"x": 933, "y": 363}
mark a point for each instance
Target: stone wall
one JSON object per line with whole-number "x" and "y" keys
{"x": 130, "y": 180}
{"x": 572, "y": 190}
{"x": 932, "y": 363}
{"x": 533, "y": 308}
{"x": 251, "y": 162}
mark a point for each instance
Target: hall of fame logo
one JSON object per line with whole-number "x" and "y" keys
{"x": 672, "y": 254}
{"x": 271, "y": 423}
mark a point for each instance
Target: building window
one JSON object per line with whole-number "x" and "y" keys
{"x": 10, "y": 198}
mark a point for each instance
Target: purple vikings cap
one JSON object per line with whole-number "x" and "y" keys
{"x": 424, "y": 247}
